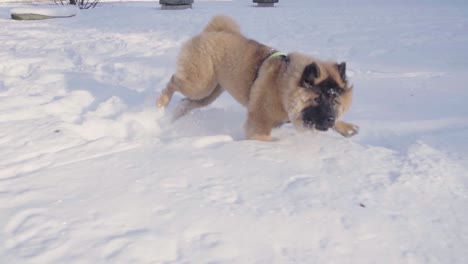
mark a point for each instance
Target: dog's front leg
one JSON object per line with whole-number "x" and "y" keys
{"x": 346, "y": 129}
{"x": 257, "y": 129}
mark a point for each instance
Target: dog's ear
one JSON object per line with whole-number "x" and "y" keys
{"x": 311, "y": 72}
{"x": 342, "y": 70}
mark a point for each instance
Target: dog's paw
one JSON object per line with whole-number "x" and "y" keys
{"x": 162, "y": 101}
{"x": 354, "y": 130}
{"x": 260, "y": 137}
{"x": 346, "y": 129}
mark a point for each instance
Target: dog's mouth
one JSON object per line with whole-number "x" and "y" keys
{"x": 313, "y": 125}
{"x": 308, "y": 124}
{"x": 321, "y": 128}
{"x": 314, "y": 117}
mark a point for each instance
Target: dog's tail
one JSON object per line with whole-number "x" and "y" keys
{"x": 223, "y": 23}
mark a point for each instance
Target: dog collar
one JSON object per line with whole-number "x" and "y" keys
{"x": 276, "y": 54}
{"x": 273, "y": 53}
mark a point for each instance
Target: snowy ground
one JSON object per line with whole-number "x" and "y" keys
{"x": 91, "y": 173}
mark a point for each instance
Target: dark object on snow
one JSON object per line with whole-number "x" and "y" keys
{"x": 362, "y": 205}
{"x": 175, "y": 4}
{"x": 265, "y": 3}
{"x": 82, "y": 4}
{"x": 34, "y": 16}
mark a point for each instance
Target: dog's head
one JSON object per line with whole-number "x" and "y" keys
{"x": 319, "y": 96}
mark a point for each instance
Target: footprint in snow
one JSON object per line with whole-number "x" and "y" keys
{"x": 32, "y": 232}
{"x": 137, "y": 246}
{"x": 219, "y": 194}
{"x": 298, "y": 181}
{"x": 207, "y": 241}
{"x": 114, "y": 245}
{"x": 204, "y": 240}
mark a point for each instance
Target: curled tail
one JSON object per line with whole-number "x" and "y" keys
{"x": 223, "y": 23}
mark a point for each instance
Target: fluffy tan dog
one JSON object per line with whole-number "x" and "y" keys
{"x": 276, "y": 88}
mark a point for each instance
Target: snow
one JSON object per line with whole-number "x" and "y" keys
{"x": 92, "y": 172}
{"x": 53, "y": 11}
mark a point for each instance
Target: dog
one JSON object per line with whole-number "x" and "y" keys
{"x": 276, "y": 88}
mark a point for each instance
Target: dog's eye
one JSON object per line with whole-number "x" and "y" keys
{"x": 318, "y": 100}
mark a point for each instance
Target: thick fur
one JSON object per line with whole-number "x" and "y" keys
{"x": 275, "y": 90}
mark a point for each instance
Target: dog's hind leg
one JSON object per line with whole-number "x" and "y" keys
{"x": 187, "y": 105}
{"x": 166, "y": 94}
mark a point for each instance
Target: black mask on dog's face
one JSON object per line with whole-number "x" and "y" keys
{"x": 322, "y": 113}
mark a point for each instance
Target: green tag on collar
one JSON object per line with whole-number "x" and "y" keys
{"x": 277, "y": 54}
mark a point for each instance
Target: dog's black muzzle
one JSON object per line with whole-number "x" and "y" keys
{"x": 321, "y": 117}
